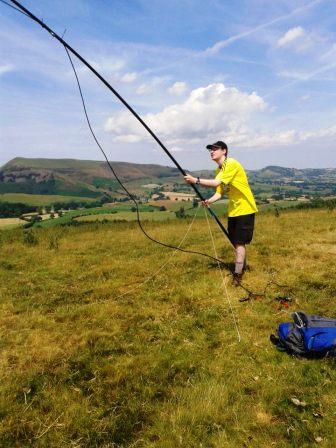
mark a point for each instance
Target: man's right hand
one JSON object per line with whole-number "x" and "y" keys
{"x": 206, "y": 203}
{"x": 190, "y": 179}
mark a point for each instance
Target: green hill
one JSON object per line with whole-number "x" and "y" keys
{"x": 92, "y": 179}
{"x": 293, "y": 174}
{"x": 72, "y": 177}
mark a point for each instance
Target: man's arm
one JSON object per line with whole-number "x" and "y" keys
{"x": 213, "y": 198}
{"x": 211, "y": 183}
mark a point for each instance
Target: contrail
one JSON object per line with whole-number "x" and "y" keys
{"x": 302, "y": 78}
{"x": 224, "y": 43}
{"x": 219, "y": 45}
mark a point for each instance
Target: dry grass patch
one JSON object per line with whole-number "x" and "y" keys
{"x": 92, "y": 358}
{"x": 10, "y": 222}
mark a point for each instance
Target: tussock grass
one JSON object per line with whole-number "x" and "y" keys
{"x": 86, "y": 364}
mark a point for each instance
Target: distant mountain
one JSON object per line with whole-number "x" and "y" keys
{"x": 279, "y": 173}
{"x": 91, "y": 178}
{"x": 72, "y": 177}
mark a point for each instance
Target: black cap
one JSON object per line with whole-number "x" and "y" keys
{"x": 218, "y": 144}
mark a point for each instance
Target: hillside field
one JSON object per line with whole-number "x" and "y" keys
{"x": 109, "y": 340}
{"x": 93, "y": 179}
{"x": 126, "y": 211}
{"x": 6, "y": 223}
{"x": 40, "y": 199}
{"x": 128, "y": 216}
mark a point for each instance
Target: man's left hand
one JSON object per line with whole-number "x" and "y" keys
{"x": 190, "y": 179}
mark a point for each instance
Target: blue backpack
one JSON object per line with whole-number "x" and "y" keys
{"x": 309, "y": 335}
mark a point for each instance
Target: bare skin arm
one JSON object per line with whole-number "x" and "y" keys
{"x": 211, "y": 183}
{"x": 213, "y": 198}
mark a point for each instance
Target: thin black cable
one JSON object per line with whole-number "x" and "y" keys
{"x": 119, "y": 181}
{"x": 110, "y": 166}
{"x": 27, "y": 13}
{"x": 124, "y": 102}
{"x": 250, "y": 293}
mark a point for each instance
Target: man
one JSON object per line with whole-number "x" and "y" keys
{"x": 242, "y": 206}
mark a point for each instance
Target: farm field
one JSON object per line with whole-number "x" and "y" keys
{"x": 277, "y": 204}
{"x": 40, "y": 199}
{"x": 109, "y": 340}
{"x": 109, "y": 212}
{"x": 126, "y": 206}
{"x": 171, "y": 205}
{"x": 6, "y": 223}
{"x": 128, "y": 216}
{"x": 148, "y": 212}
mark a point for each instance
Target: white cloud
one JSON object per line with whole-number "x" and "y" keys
{"x": 292, "y": 137}
{"x": 178, "y": 88}
{"x": 285, "y": 138}
{"x": 149, "y": 87}
{"x": 143, "y": 89}
{"x": 129, "y": 77}
{"x": 6, "y": 68}
{"x": 318, "y": 134}
{"x": 300, "y": 77}
{"x": 330, "y": 54}
{"x": 210, "y": 113}
{"x": 271, "y": 139}
{"x": 176, "y": 149}
{"x": 109, "y": 65}
{"x": 214, "y": 111}
{"x": 214, "y": 49}
{"x": 290, "y": 36}
{"x": 293, "y": 74}
{"x": 305, "y": 97}
{"x": 105, "y": 65}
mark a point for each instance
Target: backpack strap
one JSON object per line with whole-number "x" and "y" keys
{"x": 300, "y": 319}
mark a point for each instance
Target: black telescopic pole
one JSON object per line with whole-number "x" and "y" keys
{"x": 124, "y": 102}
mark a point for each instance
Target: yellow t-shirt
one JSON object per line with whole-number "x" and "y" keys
{"x": 241, "y": 200}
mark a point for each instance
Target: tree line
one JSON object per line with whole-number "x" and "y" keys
{"x": 15, "y": 209}
{"x": 330, "y": 204}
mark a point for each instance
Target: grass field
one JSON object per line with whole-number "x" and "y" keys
{"x": 114, "y": 212}
{"x": 40, "y": 199}
{"x": 126, "y": 206}
{"x": 149, "y": 212}
{"x": 128, "y": 216}
{"x": 173, "y": 205}
{"x": 93, "y": 357}
{"x": 6, "y": 223}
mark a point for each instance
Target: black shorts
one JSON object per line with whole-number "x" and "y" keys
{"x": 240, "y": 228}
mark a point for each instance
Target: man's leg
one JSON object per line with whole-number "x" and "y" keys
{"x": 240, "y": 258}
{"x": 239, "y": 263}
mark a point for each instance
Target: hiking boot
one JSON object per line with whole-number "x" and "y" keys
{"x": 237, "y": 278}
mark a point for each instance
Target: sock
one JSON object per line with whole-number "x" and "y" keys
{"x": 239, "y": 268}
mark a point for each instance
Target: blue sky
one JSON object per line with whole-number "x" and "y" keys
{"x": 258, "y": 74}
